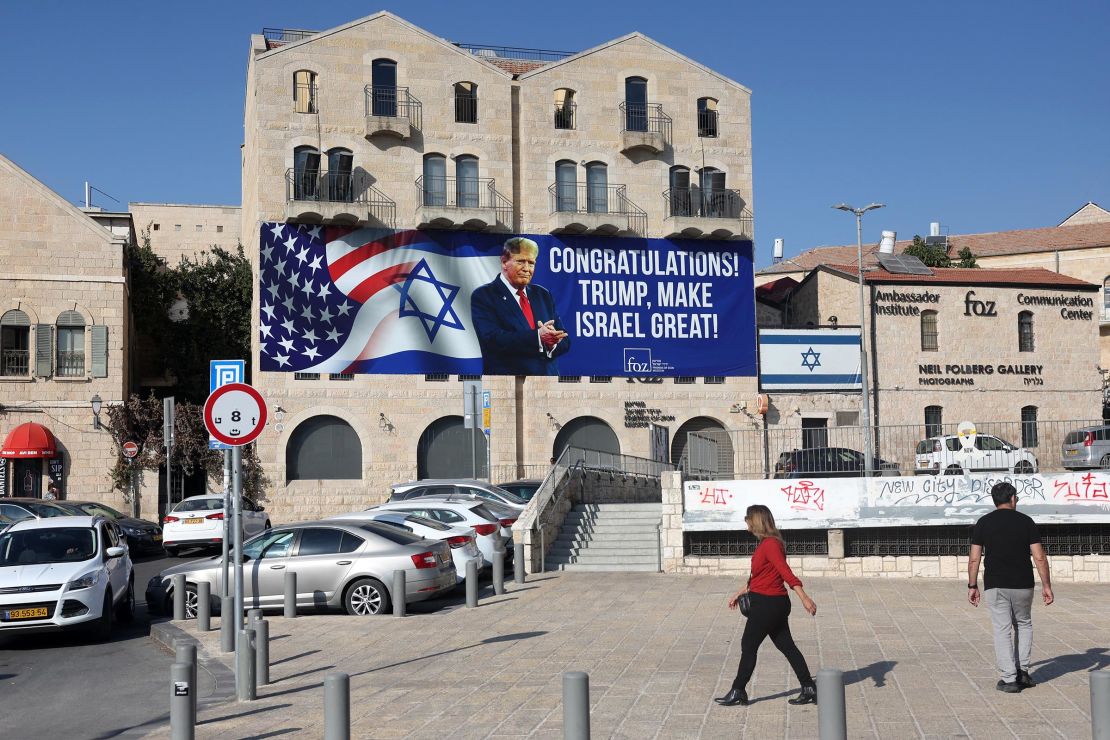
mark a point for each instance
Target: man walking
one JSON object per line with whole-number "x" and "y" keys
{"x": 1009, "y": 537}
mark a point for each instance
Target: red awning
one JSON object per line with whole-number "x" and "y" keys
{"x": 29, "y": 440}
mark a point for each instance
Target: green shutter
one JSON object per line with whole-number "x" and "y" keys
{"x": 44, "y": 350}
{"x": 99, "y": 351}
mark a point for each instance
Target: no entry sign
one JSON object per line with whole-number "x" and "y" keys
{"x": 235, "y": 414}
{"x": 130, "y": 449}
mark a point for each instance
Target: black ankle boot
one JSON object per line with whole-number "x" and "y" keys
{"x": 808, "y": 695}
{"x": 732, "y": 698}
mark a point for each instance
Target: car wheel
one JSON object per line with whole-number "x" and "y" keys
{"x": 953, "y": 470}
{"x": 366, "y": 597}
{"x": 1104, "y": 463}
{"x": 125, "y": 610}
{"x": 192, "y": 599}
{"x": 1023, "y": 468}
{"x": 102, "y": 628}
{"x": 171, "y": 552}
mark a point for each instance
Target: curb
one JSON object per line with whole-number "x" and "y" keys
{"x": 165, "y": 634}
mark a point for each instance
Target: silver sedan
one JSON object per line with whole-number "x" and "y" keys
{"x": 338, "y": 564}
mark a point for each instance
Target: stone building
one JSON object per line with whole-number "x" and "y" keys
{"x": 178, "y": 230}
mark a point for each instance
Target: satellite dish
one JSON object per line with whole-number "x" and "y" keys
{"x": 966, "y": 433}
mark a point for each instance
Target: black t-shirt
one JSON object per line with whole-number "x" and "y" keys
{"x": 1006, "y": 535}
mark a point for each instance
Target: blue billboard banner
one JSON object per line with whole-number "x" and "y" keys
{"x": 341, "y": 300}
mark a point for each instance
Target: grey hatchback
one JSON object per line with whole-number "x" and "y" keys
{"x": 1088, "y": 447}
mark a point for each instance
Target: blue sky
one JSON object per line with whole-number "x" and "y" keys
{"x": 985, "y": 116}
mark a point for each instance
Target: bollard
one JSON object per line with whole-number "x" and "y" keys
{"x": 245, "y": 677}
{"x": 186, "y": 652}
{"x": 262, "y": 652}
{"x": 227, "y": 624}
{"x": 204, "y": 606}
{"x": 832, "y": 723}
{"x": 1100, "y": 705}
{"x": 399, "y": 593}
{"x": 499, "y": 572}
{"x": 290, "y": 594}
{"x": 179, "y": 597}
{"x": 518, "y": 563}
{"x": 337, "y": 706}
{"x": 472, "y": 584}
{"x": 182, "y": 723}
{"x": 253, "y": 615}
{"x": 576, "y": 705}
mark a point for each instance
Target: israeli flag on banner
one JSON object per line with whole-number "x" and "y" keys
{"x": 809, "y": 359}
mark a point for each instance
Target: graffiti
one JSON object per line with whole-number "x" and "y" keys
{"x": 953, "y": 490}
{"x": 715, "y": 496}
{"x": 805, "y": 496}
{"x": 1083, "y": 489}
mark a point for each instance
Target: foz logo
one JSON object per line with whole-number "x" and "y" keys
{"x": 978, "y": 308}
{"x": 637, "y": 360}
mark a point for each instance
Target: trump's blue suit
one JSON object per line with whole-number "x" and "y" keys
{"x": 509, "y": 345}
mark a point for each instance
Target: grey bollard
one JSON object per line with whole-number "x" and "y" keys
{"x": 576, "y": 705}
{"x": 471, "y": 584}
{"x": 253, "y": 615}
{"x": 518, "y": 563}
{"x": 400, "y": 594}
{"x": 262, "y": 652}
{"x": 245, "y": 677}
{"x": 290, "y": 594}
{"x": 1100, "y": 705}
{"x": 182, "y": 722}
{"x": 204, "y": 606}
{"x": 499, "y": 572}
{"x": 179, "y": 597}
{"x": 832, "y": 722}
{"x": 227, "y": 624}
{"x": 337, "y": 707}
{"x": 186, "y": 652}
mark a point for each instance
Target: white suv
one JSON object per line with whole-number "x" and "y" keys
{"x": 989, "y": 454}
{"x": 62, "y": 572}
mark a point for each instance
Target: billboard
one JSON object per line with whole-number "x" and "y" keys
{"x": 809, "y": 359}
{"x": 342, "y": 300}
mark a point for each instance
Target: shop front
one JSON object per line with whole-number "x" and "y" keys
{"x": 30, "y": 464}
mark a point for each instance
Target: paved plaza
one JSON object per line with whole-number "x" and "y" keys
{"x": 918, "y": 662}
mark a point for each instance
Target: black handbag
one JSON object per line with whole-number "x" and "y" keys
{"x": 745, "y": 601}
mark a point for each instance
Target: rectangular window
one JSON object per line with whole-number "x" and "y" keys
{"x": 685, "y": 380}
{"x": 177, "y": 227}
{"x": 929, "y": 341}
{"x": 1025, "y": 332}
{"x": 815, "y": 433}
{"x": 470, "y": 377}
{"x": 436, "y": 377}
{"x": 713, "y": 379}
{"x": 601, "y": 378}
{"x": 219, "y": 229}
{"x": 71, "y": 351}
{"x": 570, "y": 378}
{"x": 1029, "y": 436}
{"x": 341, "y": 376}
{"x": 934, "y": 421}
{"x": 157, "y": 226}
{"x": 200, "y": 228}
{"x": 306, "y": 376}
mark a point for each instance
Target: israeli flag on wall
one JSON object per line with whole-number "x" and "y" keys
{"x": 809, "y": 359}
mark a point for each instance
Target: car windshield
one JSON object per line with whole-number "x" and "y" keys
{"x": 99, "y": 510}
{"x": 1074, "y": 438}
{"x": 42, "y": 546}
{"x": 426, "y": 522}
{"x": 485, "y": 513}
{"x": 925, "y": 446}
{"x": 523, "y": 491}
{"x": 200, "y": 504}
{"x": 46, "y": 511}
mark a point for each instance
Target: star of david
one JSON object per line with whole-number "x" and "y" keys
{"x": 811, "y": 359}
{"x": 433, "y": 322}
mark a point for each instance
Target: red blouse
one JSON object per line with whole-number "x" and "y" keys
{"x": 769, "y": 569}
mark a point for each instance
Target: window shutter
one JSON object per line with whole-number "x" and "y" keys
{"x": 99, "y": 351}
{"x": 44, "y": 350}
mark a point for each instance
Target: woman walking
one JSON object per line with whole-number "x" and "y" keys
{"x": 770, "y": 610}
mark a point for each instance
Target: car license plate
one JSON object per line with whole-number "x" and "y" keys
{"x": 38, "y": 612}
{"x": 194, "y": 520}
{"x": 1071, "y": 453}
{"x": 157, "y": 538}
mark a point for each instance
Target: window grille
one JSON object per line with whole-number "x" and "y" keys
{"x": 685, "y": 380}
{"x": 737, "y": 543}
{"x": 601, "y": 378}
{"x": 713, "y": 380}
{"x": 570, "y": 378}
{"x": 1025, "y": 331}
{"x": 929, "y": 341}
{"x": 342, "y": 376}
{"x": 306, "y": 376}
{"x": 436, "y": 377}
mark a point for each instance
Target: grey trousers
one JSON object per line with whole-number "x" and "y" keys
{"x": 1011, "y": 616}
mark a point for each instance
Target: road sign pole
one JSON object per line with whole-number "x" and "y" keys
{"x": 167, "y": 436}
{"x": 474, "y": 433}
{"x": 237, "y": 540}
{"x": 225, "y": 588}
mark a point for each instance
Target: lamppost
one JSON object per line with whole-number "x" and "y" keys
{"x": 96, "y": 404}
{"x": 868, "y": 454}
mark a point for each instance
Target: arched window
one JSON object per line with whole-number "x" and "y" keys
{"x": 383, "y": 81}
{"x": 466, "y": 181}
{"x": 15, "y": 343}
{"x": 340, "y": 175}
{"x": 448, "y": 450}
{"x": 70, "y": 361}
{"x": 566, "y": 186}
{"x": 635, "y": 104}
{"x": 304, "y": 91}
{"x": 1025, "y": 331}
{"x": 1106, "y": 298}
{"x": 681, "y": 200}
{"x": 597, "y": 187}
{"x": 306, "y": 173}
{"x": 466, "y": 102}
{"x": 1029, "y": 437}
{"x": 564, "y": 108}
{"x": 323, "y": 448}
{"x": 929, "y": 331}
{"x": 591, "y": 434}
{"x": 934, "y": 421}
{"x": 707, "y": 117}
{"x": 715, "y": 199}
{"x": 435, "y": 180}
{"x": 702, "y": 448}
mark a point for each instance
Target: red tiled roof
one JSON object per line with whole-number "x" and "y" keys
{"x": 973, "y": 276}
{"x": 776, "y": 290}
{"x": 515, "y": 66}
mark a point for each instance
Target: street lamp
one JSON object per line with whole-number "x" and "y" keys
{"x": 97, "y": 404}
{"x": 868, "y": 454}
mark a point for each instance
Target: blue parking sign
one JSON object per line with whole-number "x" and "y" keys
{"x": 220, "y": 373}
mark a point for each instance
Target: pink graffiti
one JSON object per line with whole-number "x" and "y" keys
{"x": 805, "y": 496}
{"x": 1085, "y": 489}
{"x": 715, "y": 496}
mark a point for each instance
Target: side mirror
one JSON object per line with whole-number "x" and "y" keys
{"x": 115, "y": 552}
{"x": 261, "y": 508}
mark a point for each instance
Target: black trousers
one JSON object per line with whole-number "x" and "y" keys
{"x": 769, "y": 618}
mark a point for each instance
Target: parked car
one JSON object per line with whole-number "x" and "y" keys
{"x": 829, "y": 462}
{"x": 1088, "y": 447}
{"x": 347, "y": 565}
{"x": 198, "y": 521}
{"x": 474, "y": 489}
{"x": 461, "y": 539}
{"x": 34, "y": 508}
{"x": 142, "y": 535}
{"x": 944, "y": 454}
{"x": 525, "y": 488}
{"x": 64, "y": 572}
{"x": 470, "y": 513}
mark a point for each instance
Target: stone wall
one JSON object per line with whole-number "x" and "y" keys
{"x": 180, "y": 230}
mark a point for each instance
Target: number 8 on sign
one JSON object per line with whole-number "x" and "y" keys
{"x": 235, "y": 414}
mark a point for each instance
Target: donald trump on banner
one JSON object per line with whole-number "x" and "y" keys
{"x": 517, "y": 326}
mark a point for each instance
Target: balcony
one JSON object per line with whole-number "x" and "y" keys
{"x": 15, "y": 363}
{"x": 347, "y": 198}
{"x": 594, "y": 209}
{"x": 644, "y": 126}
{"x": 462, "y": 203}
{"x": 694, "y": 213}
{"x": 392, "y": 111}
{"x": 70, "y": 364}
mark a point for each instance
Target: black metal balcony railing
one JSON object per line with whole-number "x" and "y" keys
{"x": 464, "y": 192}
{"x": 573, "y": 197}
{"x": 15, "y": 362}
{"x": 514, "y": 52}
{"x": 279, "y": 36}
{"x": 565, "y": 116}
{"x": 340, "y": 187}
{"x": 71, "y": 364}
{"x": 466, "y": 108}
{"x": 645, "y": 117}
{"x": 707, "y": 124}
{"x": 704, "y": 203}
{"x": 393, "y": 102}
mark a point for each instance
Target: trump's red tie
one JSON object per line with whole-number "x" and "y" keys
{"x": 526, "y": 307}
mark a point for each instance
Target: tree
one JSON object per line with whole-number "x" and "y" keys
{"x": 967, "y": 259}
{"x": 931, "y": 256}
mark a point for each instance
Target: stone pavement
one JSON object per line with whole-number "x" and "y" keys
{"x": 918, "y": 662}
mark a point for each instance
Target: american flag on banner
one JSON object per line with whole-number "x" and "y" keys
{"x": 333, "y": 300}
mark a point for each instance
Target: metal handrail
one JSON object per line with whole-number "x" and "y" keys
{"x": 514, "y": 52}
{"x": 565, "y": 116}
{"x": 645, "y": 118}
{"x": 71, "y": 364}
{"x": 325, "y": 186}
{"x": 463, "y": 192}
{"x": 578, "y": 197}
{"x": 15, "y": 362}
{"x": 393, "y": 102}
{"x": 285, "y": 35}
{"x": 698, "y": 202}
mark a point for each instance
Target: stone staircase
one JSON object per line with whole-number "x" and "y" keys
{"x": 608, "y": 537}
